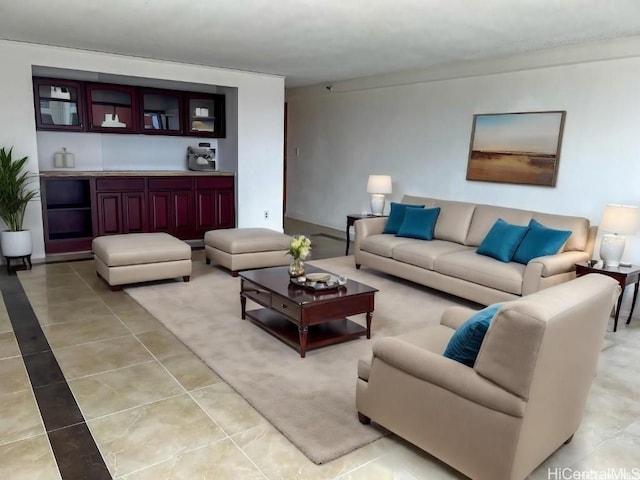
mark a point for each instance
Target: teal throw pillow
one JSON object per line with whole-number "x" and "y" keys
{"x": 466, "y": 342}
{"x": 419, "y": 223}
{"x": 396, "y": 215}
{"x": 540, "y": 241}
{"x": 502, "y": 240}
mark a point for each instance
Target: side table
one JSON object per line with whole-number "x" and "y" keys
{"x": 351, "y": 218}
{"x": 624, "y": 276}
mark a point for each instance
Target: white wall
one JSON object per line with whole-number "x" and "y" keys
{"x": 419, "y": 134}
{"x": 260, "y": 119}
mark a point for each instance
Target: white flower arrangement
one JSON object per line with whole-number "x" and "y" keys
{"x": 300, "y": 247}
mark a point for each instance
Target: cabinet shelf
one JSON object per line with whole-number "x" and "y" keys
{"x": 67, "y": 207}
{"x": 70, "y": 236}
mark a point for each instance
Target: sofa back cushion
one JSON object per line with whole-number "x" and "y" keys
{"x": 485, "y": 216}
{"x": 578, "y": 226}
{"x": 415, "y": 200}
{"x": 453, "y": 220}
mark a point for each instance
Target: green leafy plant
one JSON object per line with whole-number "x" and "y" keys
{"x": 15, "y": 190}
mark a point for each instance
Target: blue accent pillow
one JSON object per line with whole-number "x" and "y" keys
{"x": 502, "y": 240}
{"x": 540, "y": 241}
{"x": 466, "y": 342}
{"x": 396, "y": 215}
{"x": 419, "y": 223}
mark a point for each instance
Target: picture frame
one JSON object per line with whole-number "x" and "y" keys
{"x": 520, "y": 148}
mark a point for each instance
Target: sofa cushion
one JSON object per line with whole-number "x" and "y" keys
{"x": 502, "y": 240}
{"x": 418, "y": 223}
{"x": 579, "y": 229}
{"x": 453, "y": 220}
{"x": 396, "y": 215}
{"x": 540, "y": 241}
{"x": 466, "y": 342}
{"x": 486, "y": 271}
{"x": 484, "y": 216}
{"x": 383, "y": 243}
{"x": 423, "y": 254}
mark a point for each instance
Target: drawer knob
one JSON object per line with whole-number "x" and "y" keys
{"x": 283, "y": 305}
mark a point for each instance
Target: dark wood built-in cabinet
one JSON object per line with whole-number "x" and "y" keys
{"x": 205, "y": 115}
{"x": 121, "y": 206}
{"x": 59, "y": 105}
{"x": 67, "y": 213}
{"x": 77, "y": 209}
{"x": 112, "y": 108}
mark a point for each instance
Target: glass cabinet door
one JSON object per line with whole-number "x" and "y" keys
{"x": 112, "y": 108}
{"x": 161, "y": 112}
{"x": 58, "y": 104}
{"x": 205, "y": 115}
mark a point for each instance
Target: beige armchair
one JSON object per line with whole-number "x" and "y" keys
{"x": 523, "y": 398}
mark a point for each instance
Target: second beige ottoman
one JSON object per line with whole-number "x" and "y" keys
{"x": 247, "y": 248}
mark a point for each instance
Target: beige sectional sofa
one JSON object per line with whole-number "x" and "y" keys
{"x": 450, "y": 263}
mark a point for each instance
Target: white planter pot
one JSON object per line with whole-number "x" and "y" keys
{"x": 16, "y": 244}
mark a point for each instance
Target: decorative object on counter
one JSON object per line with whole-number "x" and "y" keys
{"x": 299, "y": 249}
{"x": 619, "y": 220}
{"x": 16, "y": 192}
{"x": 202, "y": 158}
{"x": 63, "y": 159}
{"x": 378, "y": 186}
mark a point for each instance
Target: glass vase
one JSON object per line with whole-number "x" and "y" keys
{"x": 296, "y": 268}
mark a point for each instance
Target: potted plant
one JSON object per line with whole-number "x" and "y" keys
{"x": 15, "y": 195}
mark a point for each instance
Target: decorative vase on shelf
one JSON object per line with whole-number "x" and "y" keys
{"x": 296, "y": 268}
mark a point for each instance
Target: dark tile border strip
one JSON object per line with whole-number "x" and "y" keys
{"x": 73, "y": 445}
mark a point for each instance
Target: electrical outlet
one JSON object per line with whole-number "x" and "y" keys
{"x": 266, "y": 214}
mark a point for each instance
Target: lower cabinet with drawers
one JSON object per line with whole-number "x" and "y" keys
{"x": 77, "y": 209}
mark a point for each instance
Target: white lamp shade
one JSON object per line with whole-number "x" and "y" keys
{"x": 621, "y": 219}
{"x": 379, "y": 184}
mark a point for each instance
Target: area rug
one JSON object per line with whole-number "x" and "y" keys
{"x": 311, "y": 400}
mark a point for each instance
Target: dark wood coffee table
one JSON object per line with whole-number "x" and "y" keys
{"x": 302, "y": 318}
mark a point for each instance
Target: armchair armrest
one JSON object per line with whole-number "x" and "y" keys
{"x": 453, "y": 317}
{"x": 445, "y": 373}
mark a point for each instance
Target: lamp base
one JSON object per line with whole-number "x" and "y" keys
{"x": 611, "y": 249}
{"x": 377, "y": 203}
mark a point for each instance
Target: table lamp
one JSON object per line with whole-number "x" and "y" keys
{"x": 378, "y": 186}
{"x": 620, "y": 220}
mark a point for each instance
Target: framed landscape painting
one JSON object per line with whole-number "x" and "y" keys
{"x": 516, "y": 147}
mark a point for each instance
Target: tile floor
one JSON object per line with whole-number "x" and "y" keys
{"x": 155, "y": 411}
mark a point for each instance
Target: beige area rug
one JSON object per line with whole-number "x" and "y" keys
{"x": 311, "y": 400}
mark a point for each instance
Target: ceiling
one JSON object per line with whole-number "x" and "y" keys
{"x": 318, "y": 41}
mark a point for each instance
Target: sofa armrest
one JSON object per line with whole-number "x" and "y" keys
{"x": 453, "y": 317}
{"x": 552, "y": 268}
{"x": 369, "y": 226}
{"x": 445, "y": 373}
{"x": 560, "y": 263}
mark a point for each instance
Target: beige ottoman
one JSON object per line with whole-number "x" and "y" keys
{"x": 140, "y": 257}
{"x": 247, "y": 248}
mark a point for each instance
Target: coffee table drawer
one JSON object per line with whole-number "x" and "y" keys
{"x": 286, "y": 307}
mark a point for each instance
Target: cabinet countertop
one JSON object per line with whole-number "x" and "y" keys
{"x": 135, "y": 173}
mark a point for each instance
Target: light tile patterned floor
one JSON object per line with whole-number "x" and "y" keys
{"x": 156, "y": 411}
